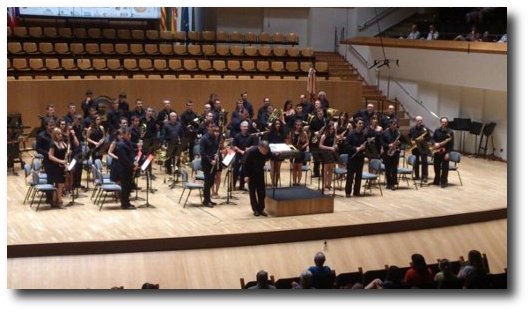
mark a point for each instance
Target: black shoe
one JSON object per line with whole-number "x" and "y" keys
{"x": 424, "y": 180}
{"x": 129, "y": 207}
{"x": 393, "y": 188}
{"x": 256, "y": 214}
{"x": 357, "y": 194}
{"x": 348, "y": 195}
{"x": 416, "y": 178}
{"x": 210, "y": 205}
{"x": 263, "y": 213}
{"x": 435, "y": 183}
{"x": 211, "y": 202}
{"x": 444, "y": 185}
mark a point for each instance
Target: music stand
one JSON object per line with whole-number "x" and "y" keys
{"x": 145, "y": 169}
{"x": 173, "y": 151}
{"x": 487, "y": 131}
{"x": 72, "y": 202}
{"x": 228, "y": 160}
{"x": 324, "y": 157}
{"x": 462, "y": 124}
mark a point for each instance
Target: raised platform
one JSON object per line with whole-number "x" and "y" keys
{"x": 295, "y": 201}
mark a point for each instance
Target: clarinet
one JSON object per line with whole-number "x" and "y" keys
{"x": 216, "y": 157}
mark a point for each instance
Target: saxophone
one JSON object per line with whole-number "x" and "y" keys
{"x": 318, "y": 134}
{"x": 441, "y": 148}
{"x": 418, "y": 140}
{"x": 394, "y": 147}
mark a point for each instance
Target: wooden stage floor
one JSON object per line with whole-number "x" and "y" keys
{"x": 169, "y": 226}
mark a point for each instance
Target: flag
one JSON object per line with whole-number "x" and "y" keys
{"x": 168, "y": 19}
{"x": 185, "y": 19}
{"x": 12, "y": 17}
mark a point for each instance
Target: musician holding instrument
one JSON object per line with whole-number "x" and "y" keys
{"x": 419, "y": 136}
{"x": 242, "y": 142}
{"x": 357, "y": 142}
{"x": 163, "y": 115}
{"x": 138, "y": 111}
{"x": 190, "y": 123}
{"x": 391, "y": 141}
{"x": 264, "y": 116}
{"x": 87, "y": 103}
{"x": 247, "y": 104}
{"x": 343, "y": 127}
{"x": 114, "y": 117}
{"x": 289, "y": 115}
{"x": 328, "y": 144}
{"x": 77, "y": 150}
{"x": 366, "y": 114}
{"x": 96, "y": 138}
{"x": 125, "y": 167}
{"x": 390, "y": 114}
{"x": 276, "y": 135}
{"x": 114, "y": 176}
{"x": 443, "y": 140}
{"x": 58, "y": 165}
{"x": 209, "y": 147}
{"x": 299, "y": 139}
{"x": 151, "y": 132}
{"x": 374, "y": 130}
{"x": 42, "y": 147}
{"x": 172, "y": 134}
{"x": 316, "y": 126}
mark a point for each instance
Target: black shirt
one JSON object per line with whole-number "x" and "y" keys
{"x": 173, "y": 132}
{"x": 355, "y": 139}
{"x": 441, "y": 135}
{"x": 208, "y": 147}
{"x": 243, "y": 141}
{"x": 254, "y": 161}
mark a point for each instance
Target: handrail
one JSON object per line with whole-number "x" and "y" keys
{"x": 375, "y": 19}
{"x": 413, "y": 98}
{"x": 359, "y": 55}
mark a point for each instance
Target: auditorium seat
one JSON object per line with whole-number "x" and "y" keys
{"x": 107, "y": 48}
{"x": 221, "y": 36}
{"x": 208, "y": 36}
{"x": 137, "y": 49}
{"x": 180, "y": 49}
{"x": 37, "y": 64}
{"x": 62, "y": 48}
{"x": 194, "y": 36}
{"x": 65, "y": 32}
{"x": 21, "y": 64}
{"x": 236, "y": 37}
{"x": 160, "y": 64}
{"x": 10, "y": 67}
{"x": 20, "y": 32}
{"x": 250, "y": 51}
{"x": 114, "y": 64}
{"x": 77, "y": 48}
{"x": 321, "y": 67}
{"x": 277, "y": 67}
{"x": 94, "y": 33}
{"x": 264, "y": 38}
{"x": 151, "y": 49}
{"x": 205, "y": 65}
{"x": 130, "y": 64}
{"x": 79, "y": 33}
{"x": 69, "y": 64}
{"x": 222, "y": 50}
{"x": 123, "y": 34}
{"x": 46, "y": 48}
{"x": 251, "y": 38}
{"x": 219, "y": 65}
{"x": 138, "y": 34}
{"x": 14, "y": 48}
{"x": 263, "y": 66}
{"x": 265, "y": 51}
{"x": 152, "y": 34}
{"x": 35, "y": 32}
{"x": 292, "y": 67}
{"x": 236, "y": 50}
{"x": 50, "y": 32}
{"x": 53, "y": 64}
{"x": 165, "y": 49}
{"x": 278, "y": 51}
{"x": 92, "y": 48}
{"x": 194, "y": 49}
{"x": 166, "y": 35}
{"x": 235, "y": 65}
{"x": 122, "y": 48}
{"x": 175, "y": 65}
{"x": 99, "y": 64}
{"x": 84, "y": 64}
{"x": 305, "y": 66}
{"x": 208, "y": 50}
{"x": 30, "y": 47}
{"x": 190, "y": 65}
{"x": 180, "y": 36}
{"x": 278, "y": 38}
{"x": 109, "y": 33}
{"x": 307, "y": 52}
{"x": 292, "y": 39}
{"x": 293, "y": 52}
{"x": 146, "y": 64}
{"x": 248, "y": 66}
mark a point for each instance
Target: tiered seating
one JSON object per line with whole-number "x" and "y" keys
{"x": 119, "y": 52}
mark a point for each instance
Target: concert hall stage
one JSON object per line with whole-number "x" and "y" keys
{"x": 84, "y": 229}
{"x": 297, "y": 200}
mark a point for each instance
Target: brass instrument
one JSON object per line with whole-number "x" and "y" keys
{"x": 318, "y": 134}
{"x": 161, "y": 154}
{"x": 332, "y": 113}
{"x": 392, "y": 150}
{"x": 418, "y": 140}
{"x": 310, "y": 118}
{"x": 276, "y": 114}
{"x": 143, "y": 130}
{"x": 367, "y": 141}
{"x": 441, "y": 147}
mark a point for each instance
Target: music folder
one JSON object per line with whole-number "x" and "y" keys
{"x": 230, "y": 154}
{"x": 71, "y": 165}
{"x": 147, "y": 162}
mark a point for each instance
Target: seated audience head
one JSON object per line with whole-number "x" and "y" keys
{"x": 320, "y": 258}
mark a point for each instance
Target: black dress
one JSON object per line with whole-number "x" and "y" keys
{"x": 57, "y": 170}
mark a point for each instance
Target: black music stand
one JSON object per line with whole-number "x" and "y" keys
{"x": 228, "y": 160}
{"x": 324, "y": 157}
{"x": 487, "y": 131}
{"x": 173, "y": 151}
{"x": 72, "y": 165}
{"x": 145, "y": 168}
{"x": 476, "y": 130}
{"x": 462, "y": 125}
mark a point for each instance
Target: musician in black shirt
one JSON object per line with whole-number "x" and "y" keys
{"x": 357, "y": 143}
{"x": 419, "y": 135}
{"x": 151, "y": 132}
{"x": 172, "y": 133}
{"x": 125, "y": 167}
{"x": 209, "y": 149}
{"x": 276, "y": 135}
{"x": 316, "y": 126}
{"x": 443, "y": 139}
{"x": 163, "y": 115}
{"x": 391, "y": 141}
{"x": 190, "y": 125}
{"x": 87, "y": 103}
{"x": 242, "y": 142}
{"x": 138, "y": 111}
{"x": 253, "y": 163}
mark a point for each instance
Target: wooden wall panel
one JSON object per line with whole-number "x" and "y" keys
{"x": 30, "y": 97}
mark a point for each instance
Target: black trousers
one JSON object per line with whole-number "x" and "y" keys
{"x": 237, "y": 171}
{"x": 256, "y": 191}
{"x": 209, "y": 178}
{"x": 441, "y": 168}
{"x": 391, "y": 164}
{"x": 126, "y": 183}
{"x": 421, "y": 160}
{"x": 355, "y": 169}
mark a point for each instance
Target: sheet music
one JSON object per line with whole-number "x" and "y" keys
{"x": 147, "y": 162}
{"x": 229, "y": 157}
{"x": 71, "y": 165}
{"x": 282, "y": 148}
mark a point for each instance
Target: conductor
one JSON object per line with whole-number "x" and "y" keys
{"x": 253, "y": 161}
{"x": 124, "y": 166}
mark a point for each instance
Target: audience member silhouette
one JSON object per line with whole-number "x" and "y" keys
{"x": 419, "y": 273}
{"x": 262, "y": 279}
{"x": 323, "y": 276}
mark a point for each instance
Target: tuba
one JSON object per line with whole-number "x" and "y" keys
{"x": 276, "y": 114}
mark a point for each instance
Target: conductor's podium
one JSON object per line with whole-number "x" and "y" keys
{"x": 299, "y": 200}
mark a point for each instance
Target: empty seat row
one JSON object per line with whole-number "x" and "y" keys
{"x": 161, "y": 65}
{"x": 167, "y": 49}
{"x": 151, "y": 34}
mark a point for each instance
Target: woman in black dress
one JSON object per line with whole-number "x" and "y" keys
{"x": 95, "y": 138}
{"x": 328, "y": 143}
{"x": 276, "y": 135}
{"x": 299, "y": 139}
{"x": 58, "y": 162}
